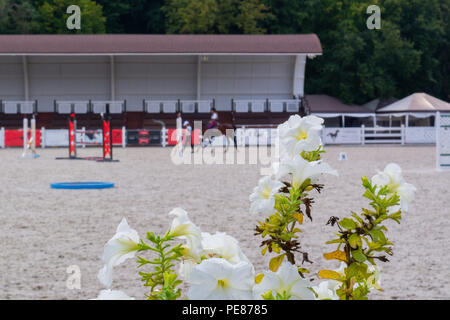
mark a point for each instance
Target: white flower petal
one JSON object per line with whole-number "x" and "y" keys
{"x": 122, "y": 246}
{"x": 112, "y": 295}
{"x": 220, "y": 280}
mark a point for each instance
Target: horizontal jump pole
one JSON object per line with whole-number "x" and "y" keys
{"x": 88, "y": 131}
{"x": 88, "y": 143}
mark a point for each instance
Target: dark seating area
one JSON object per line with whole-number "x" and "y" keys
{"x": 141, "y": 120}
{"x": 11, "y": 121}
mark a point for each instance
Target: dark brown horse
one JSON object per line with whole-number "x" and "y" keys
{"x": 223, "y": 128}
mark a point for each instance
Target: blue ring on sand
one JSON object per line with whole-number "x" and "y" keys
{"x": 82, "y": 185}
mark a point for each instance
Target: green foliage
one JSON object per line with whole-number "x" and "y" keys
{"x": 278, "y": 296}
{"x": 364, "y": 239}
{"x": 162, "y": 280}
{"x": 410, "y": 53}
{"x": 291, "y": 205}
{"x": 53, "y": 17}
{"x": 17, "y": 16}
{"x": 214, "y": 16}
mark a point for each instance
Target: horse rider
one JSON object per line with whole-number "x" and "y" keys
{"x": 188, "y": 135}
{"x": 213, "y": 123}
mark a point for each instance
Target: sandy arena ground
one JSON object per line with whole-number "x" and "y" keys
{"x": 43, "y": 231}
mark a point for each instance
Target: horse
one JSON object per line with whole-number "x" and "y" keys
{"x": 227, "y": 129}
{"x": 333, "y": 135}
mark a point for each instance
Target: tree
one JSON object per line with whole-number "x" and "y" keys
{"x": 215, "y": 16}
{"x": 410, "y": 53}
{"x": 17, "y": 16}
{"x": 53, "y": 17}
{"x": 134, "y": 16}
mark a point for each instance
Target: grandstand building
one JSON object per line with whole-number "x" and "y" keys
{"x": 260, "y": 77}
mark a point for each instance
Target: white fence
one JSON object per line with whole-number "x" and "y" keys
{"x": 342, "y": 136}
{"x": 60, "y": 137}
{"x": 253, "y": 136}
{"x": 420, "y": 135}
{"x": 382, "y": 135}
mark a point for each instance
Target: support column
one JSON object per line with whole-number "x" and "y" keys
{"x": 199, "y": 77}
{"x": 299, "y": 76}
{"x": 25, "y": 78}
{"x": 113, "y": 78}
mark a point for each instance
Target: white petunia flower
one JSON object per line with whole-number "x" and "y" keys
{"x": 217, "y": 279}
{"x": 186, "y": 267}
{"x": 222, "y": 245}
{"x": 392, "y": 177}
{"x": 300, "y": 134}
{"x": 333, "y": 284}
{"x": 324, "y": 292}
{"x": 286, "y": 282}
{"x": 122, "y": 246}
{"x": 302, "y": 169}
{"x": 263, "y": 197}
{"x": 112, "y": 295}
{"x": 218, "y": 245}
{"x": 183, "y": 228}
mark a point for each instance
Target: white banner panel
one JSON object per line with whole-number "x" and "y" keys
{"x": 56, "y": 138}
{"x": 341, "y": 135}
{"x": 443, "y": 141}
{"x": 256, "y": 136}
{"x": 420, "y": 135}
{"x": 89, "y": 137}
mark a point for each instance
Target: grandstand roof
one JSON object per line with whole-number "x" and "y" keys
{"x": 159, "y": 44}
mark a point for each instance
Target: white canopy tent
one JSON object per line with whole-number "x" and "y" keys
{"x": 417, "y": 105}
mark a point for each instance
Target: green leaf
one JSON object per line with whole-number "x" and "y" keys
{"x": 348, "y": 223}
{"x": 358, "y": 255}
{"x": 354, "y": 241}
{"x": 335, "y": 241}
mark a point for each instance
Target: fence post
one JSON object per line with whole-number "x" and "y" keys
{"x": 43, "y": 142}
{"x": 25, "y": 135}
{"x": 437, "y": 124}
{"x": 164, "y": 137}
{"x": 402, "y": 130}
{"x": 83, "y": 136}
{"x": 363, "y": 134}
{"x": 124, "y": 137}
{"x": 2, "y": 138}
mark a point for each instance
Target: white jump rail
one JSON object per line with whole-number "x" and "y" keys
{"x": 2, "y": 138}
{"x": 382, "y": 135}
{"x": 254, "y": 134}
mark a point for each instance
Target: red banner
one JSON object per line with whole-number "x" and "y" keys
{"x": 14, "y": 138}
{"x": 117, "y": 136}
{"x": 172, "y": 136}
